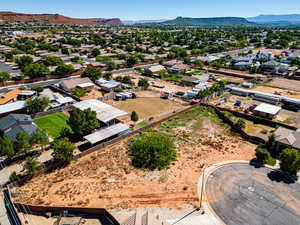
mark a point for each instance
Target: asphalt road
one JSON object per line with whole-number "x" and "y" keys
{"x": 241, "y": 194}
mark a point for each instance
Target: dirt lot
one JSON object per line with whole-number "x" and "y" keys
{"x": 93, "y": 94}
{"x": 167, "y": 85}
{"x": 272, "y": 51}
{"x": 149, "y": 107}
{"x": 293, "y": 85}
{"x": 273, "y": 90}
{"x": 107, "y": 179}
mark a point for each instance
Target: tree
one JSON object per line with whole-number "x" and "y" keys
{"x": 40, "y": 137}
{"x": 31, "y": 165}
{"x": 92, "y": 72}
{"x": 36, "y": 105}
{"x": 126, "y": 80}
{"x": 78, "y": 92}
{"x": 65, "y": 51}
{"x": 35, "y": 70}
{"x": 134, "y": 116}
{"x": 262, "y": 154}
{"x": 63, "y": 150}
{"x": 53, "y": 61}
{"x": 64, "y": 69}
{"x": 4, "y": 76}
{"x": 23, "y": 61}
{"x": 199, "y": 64}
{"x": 240, "y": 123}
{"x": 111, "y": 66}
{"x": 22, "y": 144}
{"x": 131, "y": 61}
{"x": 83, "y": 122}
{"x": 271, "y": 144}
{"x": 95, "y": 52}
{"x": 152, "y": 151}
{"x": 6, "y": 147}
{"x": 143, "y": 83}
{"x": 290, "y": 161}
{"x": 107, "y": 75}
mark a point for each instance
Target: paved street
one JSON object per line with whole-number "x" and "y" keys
{"x": 242, "y": 194}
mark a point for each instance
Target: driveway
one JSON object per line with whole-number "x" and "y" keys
{"x": 242, "y": 194}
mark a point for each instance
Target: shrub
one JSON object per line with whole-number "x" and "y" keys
{"x": 152, "y": 151}
{"x": 78, "y": 92}
{"x": 290, "y": 161}
{"x": 118, "y": 90}
{"x": 134, "y": 116}
{"x": 14, "y": 177}
{"x": 63, "y": 151}
{"x": 240, "y": 123}
{"x": 262, "y": 154}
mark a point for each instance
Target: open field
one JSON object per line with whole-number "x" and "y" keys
{"x": 149, "y": 107}
{"x": 293, "y": 85}
{"x": 52, "y": 124}
{"x": 107, "y": 179}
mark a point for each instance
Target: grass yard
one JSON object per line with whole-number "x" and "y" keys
{"x": 52, "y": 124}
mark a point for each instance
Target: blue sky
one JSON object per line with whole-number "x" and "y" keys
{"x": 153, "y": 9}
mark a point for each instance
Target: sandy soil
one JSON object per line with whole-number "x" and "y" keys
{"x": 148, "y": 107}
{"x": 287, "y": 93}
{"x": 286, "y": 84}
{"x": 93, "y": 94}
{"x": 272, "y": 51}
{"x": 106, "y": 178}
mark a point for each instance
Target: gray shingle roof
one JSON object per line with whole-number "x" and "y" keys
{"x": 12, "y": 124}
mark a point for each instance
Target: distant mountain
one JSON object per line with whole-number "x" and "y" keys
{"x": 55, "y": 19}
{"x": 217, "y": 21}
{"x": 288, "y": 19}
{"x": 131, "y": 22}
{"x": 275, "y": 18}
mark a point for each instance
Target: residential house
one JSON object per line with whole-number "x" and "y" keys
{"x": 154, "y": 70}
{"x": 190, "y": 80}
{"x": 14, "y": 107}
{"x": 9, "y": 96}
{"x": 84, "y": 83}
{"x": 12, "y": 124}
{"x": 287, "y": 138}
{"x": 108, "y": 85}
{"x": 180, "y": 68}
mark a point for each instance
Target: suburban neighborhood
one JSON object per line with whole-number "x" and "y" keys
{"x": 187, "y": 121}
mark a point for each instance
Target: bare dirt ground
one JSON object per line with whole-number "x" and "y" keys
{"x": 93, "y": 94}
{"x": 107, "y": 179}
{"x": 149, "y": 107}
{"x": 272, "y": 51}
{"x": 286, "y": 84}
{"x": 156, "y": 81}
{"x": 283, "y": 92}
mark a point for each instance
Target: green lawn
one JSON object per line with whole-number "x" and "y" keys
{"x": 52, "y": 124}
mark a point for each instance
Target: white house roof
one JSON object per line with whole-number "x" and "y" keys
{"x": 105, "y": 112}
{"x": 84, "y": 85}
{"x": 65, "y": 100}
{"x": 267, "y": 108}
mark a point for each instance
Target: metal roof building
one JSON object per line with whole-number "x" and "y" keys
{"x": 105, "y": 112}
{"x": 12, "y": 107}
{"x": 102, "y": 134}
